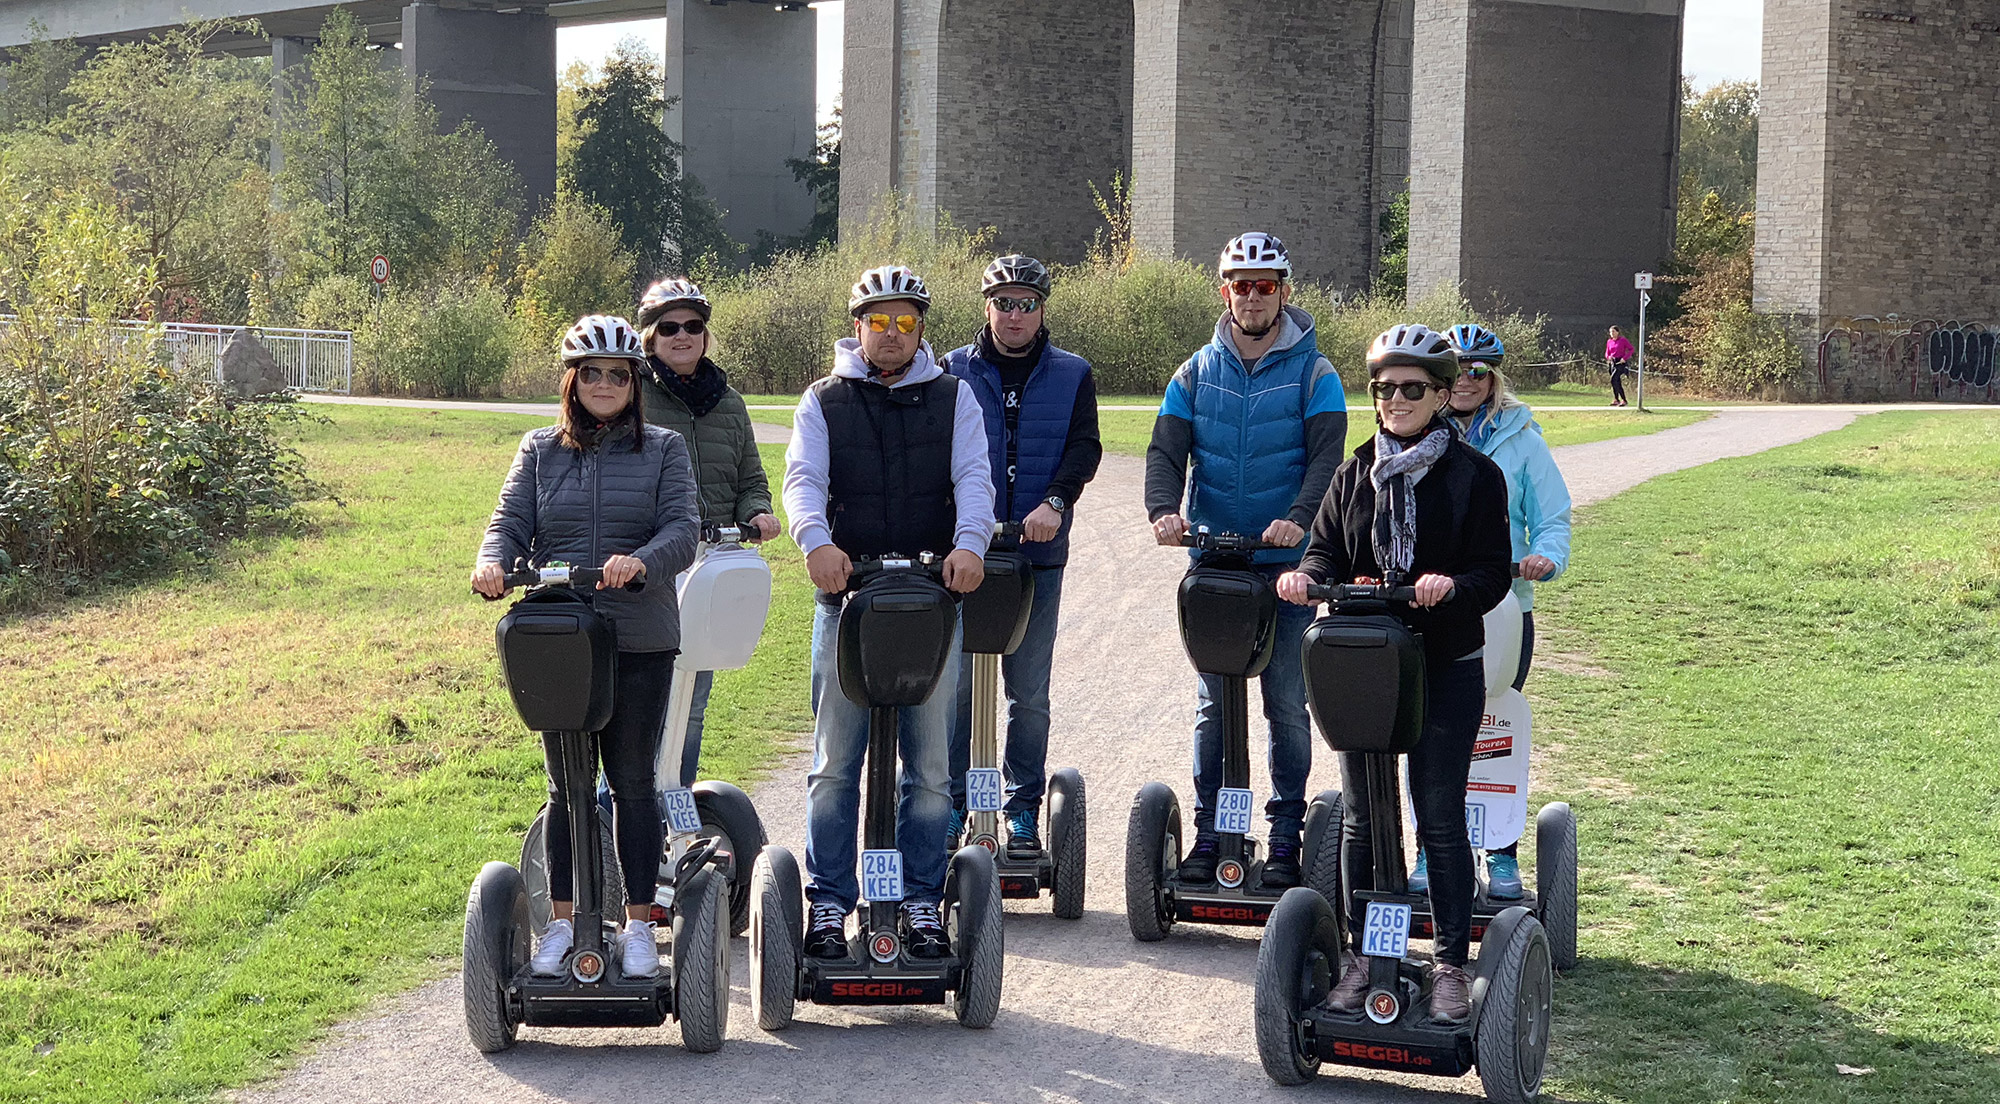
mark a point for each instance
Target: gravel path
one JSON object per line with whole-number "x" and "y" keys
{"x": 1088, "y": 1014}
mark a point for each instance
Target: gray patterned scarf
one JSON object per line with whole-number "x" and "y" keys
{"x": 1397, "y": 471}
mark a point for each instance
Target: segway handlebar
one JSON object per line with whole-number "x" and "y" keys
{"x": 745, "y": 533}
{"x": 579, "y": 578}
{"x": 1204, "y": 540}
{"x": 930, "y": 563}
{"x": 1351, "y": 592}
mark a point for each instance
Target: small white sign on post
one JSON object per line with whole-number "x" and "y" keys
{"x": 1642, "y": 281}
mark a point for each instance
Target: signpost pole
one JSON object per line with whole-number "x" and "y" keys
{"x": 1644, "y": 282}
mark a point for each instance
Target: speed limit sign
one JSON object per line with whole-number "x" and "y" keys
{"x": 378, "y": 269}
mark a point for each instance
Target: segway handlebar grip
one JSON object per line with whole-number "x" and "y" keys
{"x": 1348, "y": 592}
{"x": 930, "y": 563}
{"x": 1203, "y": 539}
{"x": 580, "y": 578}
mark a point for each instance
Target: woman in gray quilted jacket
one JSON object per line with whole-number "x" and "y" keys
{"x": 689, "y": 394}
{"x": 602, "y": 487}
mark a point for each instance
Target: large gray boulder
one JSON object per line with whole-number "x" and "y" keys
{"x": 249, "y": 370}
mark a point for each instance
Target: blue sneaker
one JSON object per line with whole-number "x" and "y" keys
{"x": 953, "y": 830}
{"x": 1503, "y": 877}
{"x": 1420, "y": 878}
{"x": 1022, "y": 834}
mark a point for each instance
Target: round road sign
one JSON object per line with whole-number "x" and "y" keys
{"x": 378, "y": 269}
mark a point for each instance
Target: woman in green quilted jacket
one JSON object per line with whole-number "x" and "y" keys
{"x": 687, "y": 393}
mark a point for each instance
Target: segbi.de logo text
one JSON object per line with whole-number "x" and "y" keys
{"x": 876, "y": 989}
{"x": 1370, "y": 1052}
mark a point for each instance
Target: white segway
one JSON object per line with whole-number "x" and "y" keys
{"x": 724, "y": 600}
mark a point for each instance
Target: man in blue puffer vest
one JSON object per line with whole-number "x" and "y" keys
{"x": 1041, "y": 432}
{"x": 1261, "y": 418}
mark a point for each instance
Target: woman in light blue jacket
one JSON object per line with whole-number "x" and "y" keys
{"x": 1503, "y": 428}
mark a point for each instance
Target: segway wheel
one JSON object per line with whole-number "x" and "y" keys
{"x": 978, "y": 937}
{"x": 496, "y": 947}
{"x": 727, "y": 814}
{"x": 1152, "y": 854}
{"x": 1067, "y": 832}
{"x": 535, "y": 867}
{"x": 1512, "y": 1039}
{"x": 1555, "y": 880}
{"x": 777, "y": 937}
{"x": 701, "y": 961}
{"x": 1296, "y": 964}
{"x": 1322, "y": 845}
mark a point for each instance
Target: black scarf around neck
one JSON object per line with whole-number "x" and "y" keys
{"x": 701, "y": 389}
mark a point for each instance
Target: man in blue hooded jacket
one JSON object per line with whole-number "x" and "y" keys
{"x": 1249, "y": 434}
{"x": 1040, "y": 405}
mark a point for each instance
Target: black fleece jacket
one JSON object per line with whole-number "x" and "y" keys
{"x": 1461, "y": 532}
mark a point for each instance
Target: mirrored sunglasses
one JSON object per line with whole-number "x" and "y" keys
{"x": 1006, "y": 305}
{"x": 1261, "y": 287}
{"x": 905, "y": 323}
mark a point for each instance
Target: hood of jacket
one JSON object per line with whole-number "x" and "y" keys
{"x": 1509, "y": 422}
{"x": 847, "y": 361}
{"x": 1297, "y": 326}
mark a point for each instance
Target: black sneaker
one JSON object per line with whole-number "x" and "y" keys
{"x": 1281, "y": 868}
{"x": 1022, "y": 836}
{"x": 826, "y": 936}
{"x": 923, "y": 931}
{"x": 1199, "y": 865}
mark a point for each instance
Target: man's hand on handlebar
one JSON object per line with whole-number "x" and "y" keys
{"x": 1042, "y": 524}
{"x": 963, "y": 572}
{"x": 490, "y": 580}
{"x": 1432, "y": 589}
{"x": 829, "y": 568}
{"x": 1292, "y": 587}
{"x": 1284, "y": 533}
{"x": 619, "y": 570}
{"x": 1169, "y": 528}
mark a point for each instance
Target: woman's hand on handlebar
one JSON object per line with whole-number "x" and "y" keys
{"x": 829, "y": 568}
{"x": 619, "y": 570}
{"x": 1292, "y": 587}
{"x": 1536, "y": 568}
{"x": 489, "y": 580}
{"x": 1284, "y": 533}
{"x": 766, "y": 526}
{"x": 963, "y": 572}
{"x": 1432, "y": 589}
{"x": 1169, "y": 529}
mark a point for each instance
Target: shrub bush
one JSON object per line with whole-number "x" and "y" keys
{"x": 452, "y": 341}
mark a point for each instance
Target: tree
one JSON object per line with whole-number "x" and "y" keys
{"x": 37, "y": 78}
{"x": 1719, "y": 141}
{"x": 1394, "y": 223}
{"x": 820, "y": 174}
{"x": 571, "y": 264}
{"x": 625, "y": 164}
{"x": 337, "y": 134}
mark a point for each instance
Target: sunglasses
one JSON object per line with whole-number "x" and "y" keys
{"x": 1476, "y": 370}
{"x": 694, "y": 327}
{"x": 1261, "y": 287}
{"x": 1383, "y": 390}
{"x": 590, "y": 373}
{"x": 905, "y": 323}
{"x": 1008, "y": 306}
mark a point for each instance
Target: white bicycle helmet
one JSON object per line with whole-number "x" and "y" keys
{"x": 880, "y": 285}
{"x": 1417, "y": 346}
{"x": 1254, "y": 250}
{"x": 668, "y": 294}
{"x": 601, "y": 335}
{"x": 1015, "y": 270}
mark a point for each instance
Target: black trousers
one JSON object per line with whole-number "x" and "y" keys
{"x": 1618, "y": 372}
{"x": 1438, "y": 770}
{"x": 627, "y": 747}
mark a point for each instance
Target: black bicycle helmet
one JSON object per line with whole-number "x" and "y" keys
{"x": 1015, "y": 270}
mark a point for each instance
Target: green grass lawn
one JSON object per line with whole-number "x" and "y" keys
{"x": 239, "y": 806}
{"x": 1770, "y": 686}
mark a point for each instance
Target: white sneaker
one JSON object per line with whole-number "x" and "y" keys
{"x": 640, "y": 953}
{"x": 555, "y": 943}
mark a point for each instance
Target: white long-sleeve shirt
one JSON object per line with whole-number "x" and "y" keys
{"x": 806, "y": 463}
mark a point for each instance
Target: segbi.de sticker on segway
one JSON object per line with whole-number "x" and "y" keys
{"x": 1364, "y": 673}
{"x": 559, "y": 655}
{"x": 1228, "y": 620}
{"x": 995, "y": 618}
{"x": 894, "y": 639}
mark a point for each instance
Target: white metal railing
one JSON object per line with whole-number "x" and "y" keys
{"x": 312, "y": 360}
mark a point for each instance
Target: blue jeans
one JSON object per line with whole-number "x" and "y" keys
{"x": 1284, "y": 687}
{"x": 1025, "y": 676}
{"x": 833, "y": 790}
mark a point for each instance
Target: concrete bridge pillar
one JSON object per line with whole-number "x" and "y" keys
{"x": 744, "y": 75}
{"x": 1542, "y": 146}
{"x": 497, "y": 69}
{"x": 1276, "y": 116}
{"x": 1878, "y": 194}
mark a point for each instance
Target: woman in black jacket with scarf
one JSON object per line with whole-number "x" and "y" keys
{"x": 1417, "y": 506}
{"x": 603, "y": 488}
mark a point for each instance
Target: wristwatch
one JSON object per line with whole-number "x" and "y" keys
{"x": 1056, "y": 503}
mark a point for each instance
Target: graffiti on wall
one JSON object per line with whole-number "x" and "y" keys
{"x": 1926, "y": 359}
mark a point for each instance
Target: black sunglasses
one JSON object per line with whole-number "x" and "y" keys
{"x": 591, "y": 373}
{"x": 1383, "y": 390}
{"x": 1006, "y": 305}
{"x": 694, "y": 326}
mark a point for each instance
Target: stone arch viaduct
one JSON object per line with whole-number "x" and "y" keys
{"x": 1537, "y": 137}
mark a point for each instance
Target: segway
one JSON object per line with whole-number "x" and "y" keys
{"x": 724, "y": 600}
{"x": 995, "y": 617}
{"x": 1229, "y": 620}
{"x": 558, "y": 656}
{"x": 1364, "y": 674}
{"x": 894, "y": 639}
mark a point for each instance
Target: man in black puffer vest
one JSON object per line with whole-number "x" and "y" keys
{"x": 888, "y": 454}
